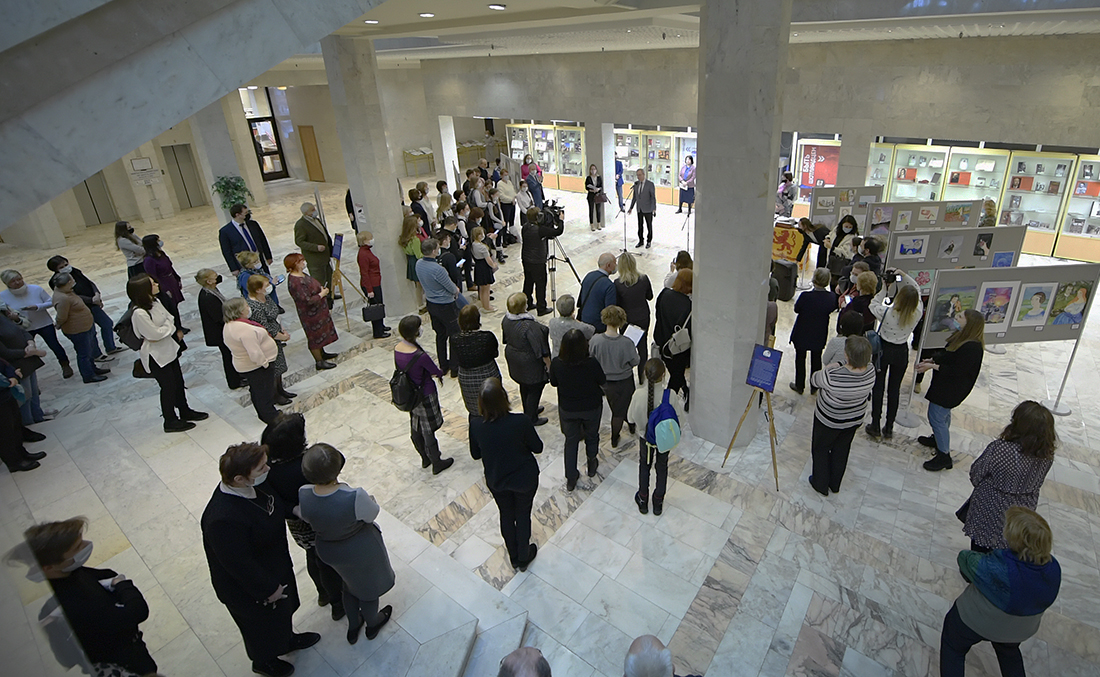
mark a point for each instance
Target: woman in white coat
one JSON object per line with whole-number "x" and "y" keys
{"x": 160, "y": 351}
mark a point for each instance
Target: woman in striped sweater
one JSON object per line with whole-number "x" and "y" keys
{"x": 841, "y": 404}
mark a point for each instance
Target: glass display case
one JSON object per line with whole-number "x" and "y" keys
{"x": 974, "y": 173}
{"x": 879, "y": 162}
{"x": 1034, "y": 194}
{"x": 659, "y": 165}
{"x": 544, "y": 148}
{"x": 571, "y": 159}
{"x": 918, "y": 173}
{"x": 1079, "y": 236}
{"x": 519, "y": 141}
{"x": 628, "y": 150}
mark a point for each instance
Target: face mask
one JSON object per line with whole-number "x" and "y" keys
{"x": 65, "y": 269}
{"x": 847, "y": 229}
{"x": 80, "y": 558}
{"x": 259, "y": 479}
{"x": 853, "y": 278}
{"x": 267, "y": 290}
{"x": 248, "y": 216}
{"x": 370, "y": 242}
{"x": 218, "y": 280}
{"x": 130, "y": 230}
{"x": 160, "y": 243}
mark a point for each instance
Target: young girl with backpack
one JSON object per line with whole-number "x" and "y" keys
{"x": 656, "y": 414}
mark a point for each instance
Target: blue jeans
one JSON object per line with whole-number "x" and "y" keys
{"x": 940, "y": 420}
{"x": 83, "y": 343}
{"x": 31, "y": 410}
{"x": 49, "y": 335}
{"x": 106, "y": 327}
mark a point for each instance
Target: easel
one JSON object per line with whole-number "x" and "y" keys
{"x": 767, "y": 395}
{"x": 338, "y": 277}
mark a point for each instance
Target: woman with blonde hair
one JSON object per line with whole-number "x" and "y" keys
{"x": 897, "y": 319}
{"x": 263, "y": 311}
{"x": 956, "y": 371}
{"x": 253, "y": 351}
{"x": 444, "y": 209}
{"x": 1010, "y": 589}
{"x": 409, "y": 241}
{"x": 633, "y": 293}
{"x": 484, "y": 265}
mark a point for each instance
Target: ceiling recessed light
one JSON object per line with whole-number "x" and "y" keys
{"x": 498, "y": 7}
{"x": 628, "y": 30}
{"x": 370, "y": 21}
{"x": 796, "y": 35}
{"x": 253, "y": 87}
{"x": 426, "y": 15}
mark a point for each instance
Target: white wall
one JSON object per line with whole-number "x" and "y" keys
{"x": 404, "y": 109}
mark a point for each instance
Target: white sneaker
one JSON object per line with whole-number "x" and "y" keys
{"x": 104, "y": 358}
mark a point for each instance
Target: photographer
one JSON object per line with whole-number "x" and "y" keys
{"x": 537, "y": 229}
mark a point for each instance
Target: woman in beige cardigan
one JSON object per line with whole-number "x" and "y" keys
{"x": 253, "y": 351}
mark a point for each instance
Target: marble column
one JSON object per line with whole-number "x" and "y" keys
{"x": 445, "y": 153}
{"x": 742, "y": 61}
{"x": 292, "y": 148}
{"x": 38, "y": 230}
{"x": 599, "y": 150}
{"x": 855, "y": 149}
{"x": 217, "y": 154}
{"x": 352, "y": 70}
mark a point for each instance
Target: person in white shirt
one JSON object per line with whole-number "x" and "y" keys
{"x": 160, "y": 350}
{"x": 645, "y": 400}
{"x": 34, "y": 302}
{"x": 898, "y": 308}
{"x": 508, "y": 201}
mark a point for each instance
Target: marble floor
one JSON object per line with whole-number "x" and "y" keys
{"x": 739, "y": 579}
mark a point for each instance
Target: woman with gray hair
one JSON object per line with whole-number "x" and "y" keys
{"x": 253, "y": 352}
{"x": 33, "y": 302}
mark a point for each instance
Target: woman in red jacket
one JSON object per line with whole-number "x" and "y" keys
{"x": 370, "y": 278}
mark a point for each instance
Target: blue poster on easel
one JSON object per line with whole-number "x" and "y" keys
{"x": 764, "y": 368}
{"x": 337, "y": 246}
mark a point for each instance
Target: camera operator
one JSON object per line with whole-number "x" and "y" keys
{"x": 537, "y": 229}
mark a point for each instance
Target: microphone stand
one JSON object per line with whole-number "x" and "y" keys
{"x": 623, "y": 212}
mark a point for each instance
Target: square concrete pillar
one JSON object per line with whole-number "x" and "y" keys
{"x": 37, "y": 230}
{"x": 352, "y": 71}
{"x": 855, "y": 149}
{"x": 599, "y": 150}
{"x": 220, "y": 146}
{"x": 445, "y": 152}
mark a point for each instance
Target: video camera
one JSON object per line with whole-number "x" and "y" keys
{"x": 552, "y": 214}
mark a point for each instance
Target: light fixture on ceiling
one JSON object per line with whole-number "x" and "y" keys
{"x": 281, "y": 89}
{"x": 795, "y": 35}
{"x": 498, "y": 7}
{"x": 253, "y": 87}
{"x": 370, "y": 21}
{"x": 426, "y": 15}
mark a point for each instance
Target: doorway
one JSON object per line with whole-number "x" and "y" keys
{"x": 309, "y": 149}
{"x": 94, "y": 201}
{"x": 184, "y": 175}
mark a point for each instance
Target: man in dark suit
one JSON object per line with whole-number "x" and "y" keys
{"x": 645, "y": 197}
{"x": 242, "y": 234}
{"x": 311, "y": 236}
{"x": 534, "y": 254}
{"x": 598, "y": 292}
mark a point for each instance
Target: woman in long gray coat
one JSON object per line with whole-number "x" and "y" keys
{"x": 348, "y": 540}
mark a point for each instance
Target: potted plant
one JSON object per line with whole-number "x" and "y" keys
{"x": 232, "y": 190}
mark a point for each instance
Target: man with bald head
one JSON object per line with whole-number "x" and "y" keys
{"x": 648, "y": 657}
{"x": 526, "y": 661}
{"x": 311, "y": 236}
{"x": 598, "y": 292}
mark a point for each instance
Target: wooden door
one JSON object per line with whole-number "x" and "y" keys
{"x": 309, "y": 148}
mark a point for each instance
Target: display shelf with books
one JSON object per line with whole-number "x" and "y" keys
{"x": 571, "y": 159}
{"x": 1079, "y": 236}
{"x": 918, "y": 172}
{"x": 659, "y": 165}
{"x": 1034, "y": 195}
{"x": 878, "y": 164}
{"x": 544, "y": 149}
{"x": 974, "y": 173}
{"x": 628, "y": 150}
{"x": 519, "y": 141}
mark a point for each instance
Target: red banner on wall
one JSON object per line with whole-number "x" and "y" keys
{"x": 819, "y": 166}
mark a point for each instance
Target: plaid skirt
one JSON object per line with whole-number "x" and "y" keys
{"x": 470, "y": 381}
{"x": 427, "y": 415}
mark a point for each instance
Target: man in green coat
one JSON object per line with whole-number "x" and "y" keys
{"x": 311, "y": 236}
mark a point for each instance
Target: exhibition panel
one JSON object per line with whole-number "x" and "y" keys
{"x": 544, "y": 150}
{"x": 829, "y": 205}
{"x": 921, "y": 253}
{"x": 659, "y": 164}
{"x": 519, "y": 141}
{"x": 1035, "y": 196}
{"x": 889, "y": 217}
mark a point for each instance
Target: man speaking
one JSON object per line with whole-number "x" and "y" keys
{"x": 536, "y": 231}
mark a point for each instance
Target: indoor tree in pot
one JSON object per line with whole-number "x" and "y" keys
{"x": 232, "y": 190}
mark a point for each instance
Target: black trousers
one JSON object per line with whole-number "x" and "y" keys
{"x": 534, "y": 283}
{"x": 134, "y": 270}
{"x": 578, "y": 425}
{"x": 595, "y": 211}
{"x": 529, "y": 395}
{"x": 508, "y": 210}
{"x": 232, "y": 378}
{"x": 378, "y": 326}
{"x": 618, "y": 395}
{"x": 261, "y": 388}
{"x": 956, "y": 640}
{"x": 645, "y": 218}
{"x": 325, "y": 578}
{"x": 895, "y": 360}
{"x": 172, "y": 395}
{"x": 647, "y": 458}
{"x": 677, "y": 367}
{"x": 12, "y": 451}
{"x": 267, "y": 629}
{"x": 800, "y": 365}
{"x": 643, "y": 354}
{"x": 360, "y": 610}
{"x": 515, "y": 523}
{"x": 424, "y": 441}
{"x": 445, "y": 324}
{"x": 829, "y": 448}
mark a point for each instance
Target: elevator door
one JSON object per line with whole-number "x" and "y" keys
{"x": 184, "y": 175}
{"x": 95, "y": 201}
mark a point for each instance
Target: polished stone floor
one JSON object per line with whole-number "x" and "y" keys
{"x": 738, "y": 578}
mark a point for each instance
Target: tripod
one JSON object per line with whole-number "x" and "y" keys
{"x": 552, "y": 266}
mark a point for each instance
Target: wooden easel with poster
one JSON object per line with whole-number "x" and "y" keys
{"x": 763, "y": 371}
{"x": 338, "y": 275}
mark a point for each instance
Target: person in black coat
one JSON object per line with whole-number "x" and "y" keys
{"x": 285, "y": 439}
{"x": 17, "y": 346}
{"x": 674, "y": 311}
{"x": 12, "y": 431}
{"x": 533, "y": 254}
{"x": 246, "y": 549}
{"x": 811, "y": 328}
{"x": 597, "y": 292}
{"x": 506, "y": 444}
{"x": 447, "y": 257}
{"x": 102, "y": 608}
{"x": 579, "y": 379}
{"x": 210, "y": 312}
{"x": 418, "y": 210}
{"x": 813, "y": 234}
{"x": 527, "y": 353}
{"x": 868, "y": 252}
{"x": 242, "y": 234}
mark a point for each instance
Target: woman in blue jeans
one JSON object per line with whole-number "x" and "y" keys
{"x": 579, "y": 379}
{"x": 955, "y": 370}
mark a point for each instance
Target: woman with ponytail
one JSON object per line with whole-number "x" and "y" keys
{"x": 647, "y": 398}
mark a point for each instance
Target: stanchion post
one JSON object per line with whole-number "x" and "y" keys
{"x": 1056, "y": 407}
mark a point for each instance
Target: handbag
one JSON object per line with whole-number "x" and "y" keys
{"x": 837, "y": 263}
{"x": 680, "y": 341}
{"x": 601, "y": 198}
{"x": 374, "y": 312}
{"x": 963, "y": 511}
{"x": 139, "y": 370}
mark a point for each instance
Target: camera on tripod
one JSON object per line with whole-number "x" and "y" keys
{"x": 552, "y": 214}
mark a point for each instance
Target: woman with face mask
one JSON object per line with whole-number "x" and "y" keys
{"x": 253, "y": 352}
{"x": 426, "y": 417}
{"x": 103, "y": 609}
{"x": 210, "y": 312}
{"x": 309, "y": 298}
{"x": 264, "y": 312}
{"x": 507, "y": 200}
{"x": 841, "y": 247}
{"x": 244, "y": 536}
{"x": 370, "y": 279}
{"x": 130, "y": 246}
{"x": 593, "y": 183}
{"x": 159, "y": 267}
